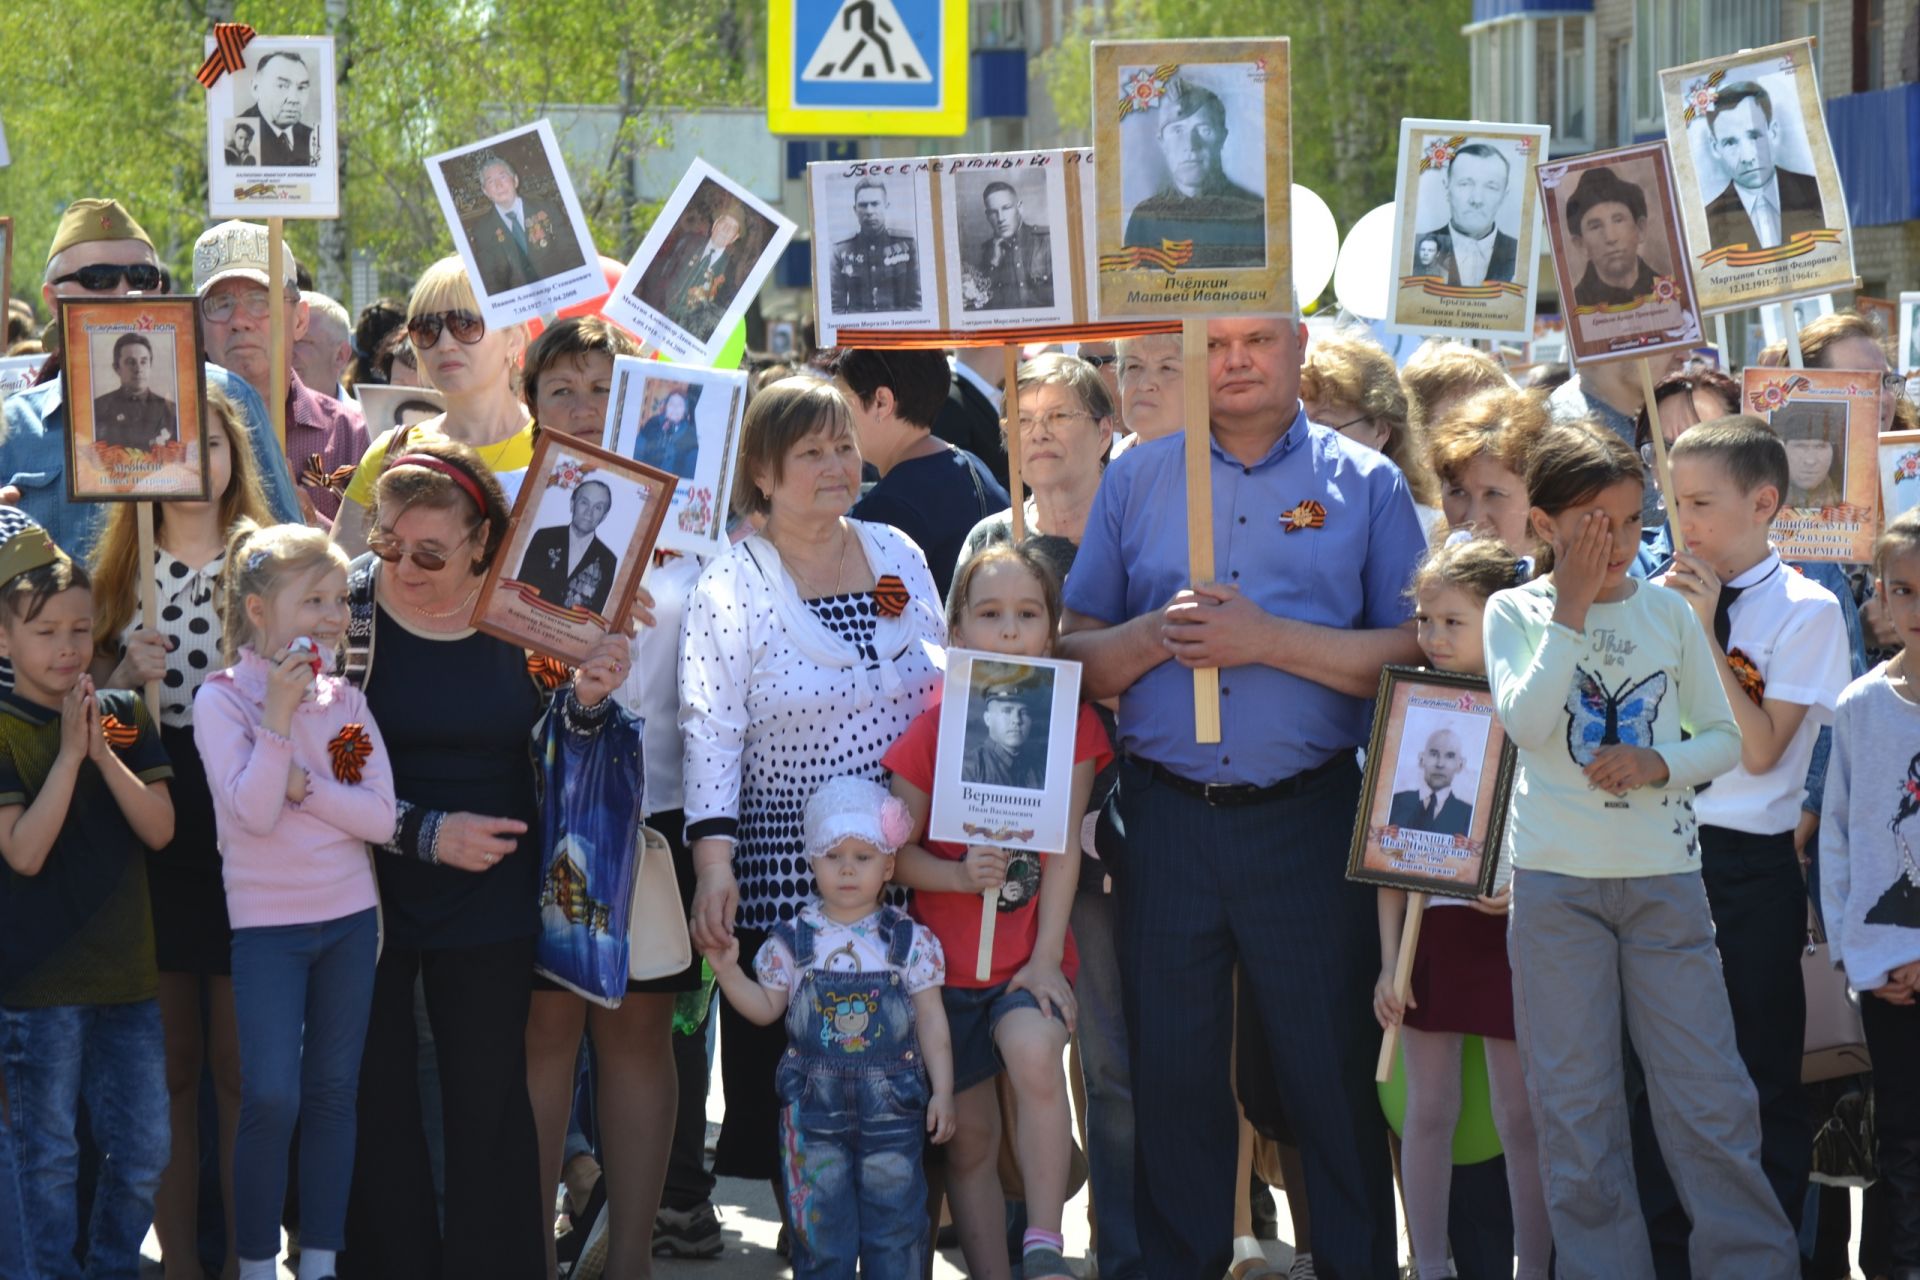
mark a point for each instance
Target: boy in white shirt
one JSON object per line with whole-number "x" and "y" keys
{"x": 1780, "y": 642}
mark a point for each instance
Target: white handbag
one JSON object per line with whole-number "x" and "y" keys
{"x": 658, "y": 944}
{"x": 1836, "y": 1043}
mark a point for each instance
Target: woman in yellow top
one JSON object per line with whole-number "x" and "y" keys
{"x": 470, "y": 364}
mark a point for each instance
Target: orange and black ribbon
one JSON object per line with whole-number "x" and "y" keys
{"x": 1305, "y": 515}
{"x": 890, "y": 596}
{"x": 1748, "y": 677}
{"x": 349, "y": 750}
{"x": 229, "y": 39}
{"x": 549, "y": 673}
{"x": 119, "y": 735}
{"x": 316, "y": 476}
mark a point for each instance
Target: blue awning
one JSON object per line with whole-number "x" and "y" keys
{"x": 1874, "y": 135}
{"x": 1492, "y": 10}
{"x": 998, "y": 83}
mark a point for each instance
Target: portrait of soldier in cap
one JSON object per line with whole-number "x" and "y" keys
{"x": 1006, "y": 744}
{"x": 132, "y": 415}
{"x": 1815, "y": 436}
{"x": 1607, "y": 218}
{"x": 877, "y": 268}
{"x": 1197, "y": 201}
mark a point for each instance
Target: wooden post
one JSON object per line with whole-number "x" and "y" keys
{"x": 989, "y": 909}
{"x": 149, "y": 594}
{"x": 1662, "y": 473}
{"x": 1790, "y": 325}
{"x": 1720, "y": 340}
{"x": 276, "y": 337}
{"x": 1011, "y": 401}
{"x": 1402, "y": 976}
{"x": 1199, "y": 438}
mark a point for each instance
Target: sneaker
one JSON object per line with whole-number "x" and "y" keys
{"x": 573, "y": 1242}
{"x": 593, "y": 1253}
{"x": 1302, "y": 1268}
{"x": 1044, "y": 1264}
{"x": 687, "y": 1233}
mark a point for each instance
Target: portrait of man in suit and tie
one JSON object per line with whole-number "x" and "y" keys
{"x": 1470, "y": 247}
{"x": 1763, "y": 203}
{"x": 567, "y": 564}
{"x": 1432, "y": 805}
{"x": 283, "y": 112}
{"x": 516, "y": 239}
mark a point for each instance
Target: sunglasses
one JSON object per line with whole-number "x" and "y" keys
{"x": 393, "y": 552}
{"x": 99, "y": 277}
{"x": 465, "y": 326}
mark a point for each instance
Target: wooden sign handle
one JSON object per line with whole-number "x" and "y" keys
{"x": 989, "y": 910}
{"x": 1662, "y": 473}
{"x": 1790, "y": 325}
{"x": 276, "y": 334}
{"x": 1402, "y": 978}
{"x": 149, "y": 594}
{"x": 1199, "y": 439}
{"x": 1011, "y": 401}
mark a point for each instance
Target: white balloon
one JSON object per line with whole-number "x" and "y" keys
{"x": 1364, "y": 275}
{"x": 1316, "y": 244}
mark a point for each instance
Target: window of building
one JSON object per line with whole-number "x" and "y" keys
{"x": 1869, "y": 45}
{"x": 1672, "y": 33}
{"x": 1800, "y": 18}
{"x": 1537, "y": 71}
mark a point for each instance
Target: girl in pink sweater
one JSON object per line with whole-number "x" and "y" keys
{"x": 301, "y": 786}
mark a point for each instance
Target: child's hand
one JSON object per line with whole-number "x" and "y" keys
{"x": 984, "y": 868}
{"x": 1695, "y": 579}
{"x": 287, "y": 684}
{"x": 1387, "y": 1009}
{"x": 1494, "y": 904}
{"x": 78, "y": 723}
{"x": 726, "y": 957}
{"x": 940, "y": 1119}
{"x": 1050, "y": 987}
{"x": 146, "y": 660}
{"x": 1580, "y": 568}
{"x": 297, "y": 783}
{"x": 1619, "y": 768}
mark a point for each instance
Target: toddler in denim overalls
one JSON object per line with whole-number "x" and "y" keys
{"x": 869, "y": 1066}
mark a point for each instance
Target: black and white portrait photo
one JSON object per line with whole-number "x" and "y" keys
{"x": 1440, "y": 798}
{"x": 1006, "y": 239}
{"x": 135, "y": 384}
{"x": 1758, "y": 183}
{"x": 1463, "y": 226}
{"x": 1192, "y": 163}
{"x": 139, "y": 411}
{"x": 282, "y": 109}
{"x": 398, "y": 406}
{"x": 1607, "y": 219}
{"x": 568, "y": 565}
{"x": 871, "y": 220}
{"x": 1007, "y": 725}
{"x": 271, "y": 130}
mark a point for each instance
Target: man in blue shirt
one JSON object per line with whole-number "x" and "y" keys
{"x": 99, "y": 251}
{"x": 1236, "y": 851}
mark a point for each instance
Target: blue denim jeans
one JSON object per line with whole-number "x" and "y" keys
{"x": 112, "y": 1057}
{"x": 301, "y": 993}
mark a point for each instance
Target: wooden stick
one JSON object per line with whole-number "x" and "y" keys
{"x": 1011, "y": 400}
{"x": 1720, "y": 340}
{"x": 1790, "y": 325}
{"x": 277, "y": 333}
{"x": 1402, "y": 977}
{"x": 1662, "y": 473}
{"x": 149, "y": 594}
{"x": 1199, "y": 437}
{"x": 989, "y": 909}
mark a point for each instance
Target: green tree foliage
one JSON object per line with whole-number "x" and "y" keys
{"x": 1359, "y": 66}
{"x": 98, "y": 98}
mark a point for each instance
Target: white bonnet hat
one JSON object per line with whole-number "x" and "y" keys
{"x": 851, "y": 807}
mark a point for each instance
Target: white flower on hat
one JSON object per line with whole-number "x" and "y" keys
{"x": 851, "y": 808}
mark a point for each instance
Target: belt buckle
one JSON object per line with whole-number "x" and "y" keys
{"x": 1220, "y": 793}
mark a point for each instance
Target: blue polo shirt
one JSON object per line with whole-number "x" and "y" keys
{"x": 33, "y": 457}
{"x": 1351, "y": 572}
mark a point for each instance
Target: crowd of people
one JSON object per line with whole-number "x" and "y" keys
{"x": 268, "y": 938}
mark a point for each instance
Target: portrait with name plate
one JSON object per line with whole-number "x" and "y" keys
{"x": 875, "y": 258}
{"x": 270, "y": 131}
{"x": 134, "y": 389}
{"x": 683, "y": 420}
{"x": 1005, "y": 763}
{"x": 1439, "y": 772}
{"x": 1829, "y": 421}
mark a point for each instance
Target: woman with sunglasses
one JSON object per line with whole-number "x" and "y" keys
{"x": 458, "y": 882}
{"x": 473, "y": 367}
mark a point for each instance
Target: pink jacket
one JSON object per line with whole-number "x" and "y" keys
{"x": 288, "y": 863}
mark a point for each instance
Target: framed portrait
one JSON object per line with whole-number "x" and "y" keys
{"x": 1619, "y": 253}
{"x": 1805, "y": 312}
{"x": 1829, "y": 421}
{"x": 700, "y": 266}
{"x": 17, "y": 374}
{"x": 388, "y": 407}
{"x": 271, "y": 150}
{"x": 1433, "y": 803}
{"x": 584, "y": 524}
{"x": 517, "y": 223}
{"x": 875, "y": 256}
{"x": 1908, "y": 336}
{"x": 1194, "y": 200}
{"x": 135, "y": 385}
{"x": 683, "y": 420}
{"x": 1882, "y": 313}
{"x": 1007, "y": 245}
{"x": 1766, "y": 219}
{"x": 1004, "y": 769}
{"x": 1464, "y": 215}
{"x": 1899, "y": 473}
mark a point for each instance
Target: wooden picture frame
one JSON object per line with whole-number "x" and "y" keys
{"x": 157, "y": 445}
{"x": 536, "y": 594}
{"x": 1899, "y": 456}
{"x": 1446, "y": 839}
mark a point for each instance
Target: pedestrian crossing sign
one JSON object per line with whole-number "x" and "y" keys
{"x": 867, "y": 67}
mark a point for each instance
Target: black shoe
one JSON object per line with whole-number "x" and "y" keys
{"x": 687, "y": 1233}
{"x": 567, "y": 1248}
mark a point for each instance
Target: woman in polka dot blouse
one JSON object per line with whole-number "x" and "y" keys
{"x": 808, "y": 649}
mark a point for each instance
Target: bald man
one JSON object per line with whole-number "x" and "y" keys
{"x": 1432, "y": 806}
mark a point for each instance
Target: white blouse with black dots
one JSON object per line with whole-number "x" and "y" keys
{"x": 188, "y": 621}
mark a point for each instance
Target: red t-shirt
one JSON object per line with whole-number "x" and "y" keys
{"x": 955, "y": 917}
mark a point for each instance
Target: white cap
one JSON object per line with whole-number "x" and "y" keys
{"x": 850, "y": 808}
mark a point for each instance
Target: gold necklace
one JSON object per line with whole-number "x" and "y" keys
{"x": 418, "y": 612}
{"x": 839, "y": 574}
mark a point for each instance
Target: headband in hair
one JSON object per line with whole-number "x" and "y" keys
{"x": 25, "y": 550}
{"x": 466, "y": 482}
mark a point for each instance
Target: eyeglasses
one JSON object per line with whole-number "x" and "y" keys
{"x": 1057, "y": 421}
{"x": 1341, "y": 427}
{"x": 1100, "y": 362}
{"x": 98, "y": 277}
{"x": 465, "y": 326}
{"x": 393, "y": 551}
{"x": 1892, "y": 381}
{"x": 219, "y": 307}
